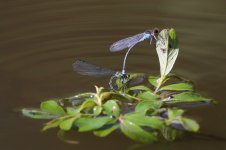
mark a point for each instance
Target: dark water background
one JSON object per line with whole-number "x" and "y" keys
{"x": 39, "y": 40}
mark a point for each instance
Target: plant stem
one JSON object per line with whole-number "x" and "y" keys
{"x": 130, "y": 96}
{"x": 161, "y": 81}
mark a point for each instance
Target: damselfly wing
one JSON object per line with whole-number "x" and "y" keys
{"x": 85, "y": 68}
{"x": 133, "y": 40}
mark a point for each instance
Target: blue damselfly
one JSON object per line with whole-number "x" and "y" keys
{"x": 130, "y": 42}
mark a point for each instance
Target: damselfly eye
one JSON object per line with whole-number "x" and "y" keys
{"x": 156, "y": 30}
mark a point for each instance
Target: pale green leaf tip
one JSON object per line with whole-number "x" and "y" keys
{"x": 172, "y": 33}
{"x": 173, "y": 38}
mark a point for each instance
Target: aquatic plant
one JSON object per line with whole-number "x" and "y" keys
{"x": 145, "y": 112}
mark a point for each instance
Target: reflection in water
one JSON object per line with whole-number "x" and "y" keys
{"x": 40, "y": 40}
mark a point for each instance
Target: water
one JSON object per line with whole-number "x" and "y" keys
{"x": 40, "y": 40}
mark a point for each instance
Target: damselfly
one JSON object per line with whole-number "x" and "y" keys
{"x": 85, "y": 68}
{"x": 130, "y": 42}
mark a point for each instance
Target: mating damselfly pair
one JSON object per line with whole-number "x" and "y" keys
{"x": 85, "y": 68}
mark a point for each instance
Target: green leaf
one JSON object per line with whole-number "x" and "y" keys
{"x": 153, "y": 80}
{"x": 68, "y": 123}
{"x": 52, "y": 107}
{"x": 98, "y": 96}
{"x": 61, "y": 135}
{"x": 37, "y": 114}
{"x": 136, "y": 75}
{"x": 148, "y": 96}
{"x": 97, "y": 110}
{"x": 144, "y": 106}
{"x": 187, "y": 97}
{"x": 142, "y": 120}
{"x": 53, "y": 123}
{"x": 88, "y": 124}
{"x": 167, "y": 50}
{"x": 88, "y": 103}
{"x": 111, "y": 108}
{"x": 170, "y": 134}
{"x": 173, "y": 113}
{"x": 136, "y": 133}
{"x": 178, "y": 87}
{"x": 107, "y": 131}
{"x": 140, "y": 87}
{"x": 173, "y": 38}
{"x": 72, "y": 111}
{"x": 190, "y": 125}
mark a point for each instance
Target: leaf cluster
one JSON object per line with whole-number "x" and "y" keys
{"x": 139, "y": 113}
{"x": 145, "y": 112}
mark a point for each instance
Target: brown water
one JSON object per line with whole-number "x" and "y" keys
{"x": 39, "y": 40}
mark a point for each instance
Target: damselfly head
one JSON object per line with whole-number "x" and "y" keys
{"x": 154, "y": 32}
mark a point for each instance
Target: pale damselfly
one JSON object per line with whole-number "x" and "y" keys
{"x": 130, "y": 42}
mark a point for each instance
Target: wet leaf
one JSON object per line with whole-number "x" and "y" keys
{"x": 111, "y": 108}
{"x": 140, "y": 87}
{"x": 144, "y": 106}
{"x": 178, "y": 87}
{"x": 190, "y": 125}
{"x": 53, "y": 123}
{"x": 188, "y": 97}
{"x": 106, "y": 95}
{"x": 148, "y": 96}
{"x": 72, "y": 111}
{"x": 142, "y": 120}
{"x": 167, "y": 50}
{"x": 106, "y": 131}
{"x": 97, "y": 110}
{"x": 136, "y": 133}
{"x": 169, "y": 134}
{"x": 88, "y": 103}
{"x": 173, "y": 113}
{"x": 68, "y": 123}
{"x": 153, "y": 80}
{"x": 52, "y": 107}
{"x": 37, "y": 114}
{"x": 61, "y": 135}
{"x": 88, "y": 124}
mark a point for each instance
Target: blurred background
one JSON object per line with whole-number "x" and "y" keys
{"x": 39, "y": 41}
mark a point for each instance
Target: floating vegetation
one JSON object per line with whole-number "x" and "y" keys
{"x": 143, "y": 111}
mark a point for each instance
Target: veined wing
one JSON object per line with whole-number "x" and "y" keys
{"x": 85, "y": 68}
{"x": 128, "y": 42}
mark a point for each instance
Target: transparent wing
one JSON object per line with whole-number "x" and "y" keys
{"x": 85, "y": 68}
{"x": 127, "y": 42}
